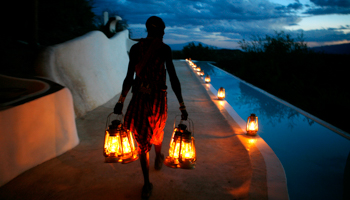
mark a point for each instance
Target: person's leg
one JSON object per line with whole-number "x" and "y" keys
{"x": 158, "y": 149}
{"x": 144, "y": 160}
{"x": 159, "y": 157}
{"x": 147, "y": 187}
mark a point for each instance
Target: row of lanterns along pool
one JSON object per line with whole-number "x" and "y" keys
{"x": 120, "y": 145}
{"x": 252, "y": 121}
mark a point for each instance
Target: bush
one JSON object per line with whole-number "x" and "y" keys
{"x": 56, "y": 22}
{"x": 199, "y": 52}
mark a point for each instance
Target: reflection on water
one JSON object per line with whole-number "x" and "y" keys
{"x": 313, "y": 156}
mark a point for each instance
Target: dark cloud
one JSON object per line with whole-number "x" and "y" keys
{"x": 328, "y": 10}
{"x": 228, "y": 20}
{"x": 324, "y": 7}
{"x": 332, "y": 3}
{"x": 295, "y": 6}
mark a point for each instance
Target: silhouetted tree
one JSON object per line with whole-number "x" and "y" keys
{"x": 199, "y": 52}
{"x": 63, "y": 20}
{"x": 280, "y": 43}
{"x": 56, "y": 20}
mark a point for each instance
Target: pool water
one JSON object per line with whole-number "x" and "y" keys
{"x": 314, "y": 157}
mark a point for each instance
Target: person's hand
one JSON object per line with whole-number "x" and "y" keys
{"x": 184, "y": 114}
{"x": 118, "y": 108}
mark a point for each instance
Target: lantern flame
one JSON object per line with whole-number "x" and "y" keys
{"x": 207, "y": 79}
{"x": 182, "y": 151}
{"x": 252, "y": 124}
{"x": 119, "y": 144}
{"x": 221, "y": 93}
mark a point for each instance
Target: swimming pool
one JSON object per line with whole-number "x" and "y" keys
{"x": 313, "y": 156}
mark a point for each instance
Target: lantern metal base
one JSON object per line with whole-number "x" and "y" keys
{"x": 183, "y": 165}
{"x": 252, "y": 133}
{"x": 120, "y": 160}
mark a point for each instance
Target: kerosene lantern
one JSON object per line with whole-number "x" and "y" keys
{"x": 252, "y": 125}
{"x": 182, "y": 151}
{"x": 221, "y": 93}
{"x": 119, "y": 145}
{"x": 207, "y": 79}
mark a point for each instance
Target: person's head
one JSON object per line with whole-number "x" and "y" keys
{"x": 155, "y": 27}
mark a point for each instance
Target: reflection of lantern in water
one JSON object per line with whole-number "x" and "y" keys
{"x": 207, "y": 79}
{"x": 119, "y": 143}
{"x": 252, "y": 125}
{"x": 221, "y": 93}
{"x": 182, "y": 151}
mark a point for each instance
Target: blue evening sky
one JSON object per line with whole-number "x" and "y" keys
{"x": 223, "y": 23}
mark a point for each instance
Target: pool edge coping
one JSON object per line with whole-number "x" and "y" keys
{"x": 275, "y": 174}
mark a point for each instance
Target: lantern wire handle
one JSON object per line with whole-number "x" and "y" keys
{"x": 108, "y": 119}
{"x": 190, "y": 123}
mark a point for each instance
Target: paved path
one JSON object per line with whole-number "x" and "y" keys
{"x": 225, "y": 169}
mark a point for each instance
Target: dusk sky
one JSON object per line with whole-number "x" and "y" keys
{"x": 222, "y": 23}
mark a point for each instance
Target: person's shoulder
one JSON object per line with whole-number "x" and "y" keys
{"x": 166, "y": 47}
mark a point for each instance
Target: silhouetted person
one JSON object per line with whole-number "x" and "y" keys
{"x": 147, "y": 112}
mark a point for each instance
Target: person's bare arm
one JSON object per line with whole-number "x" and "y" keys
{"x": 128, "y": 81}
{"x": 130, "y": 73}
{"x": 175, "y": 83}
{"x": 174, "y": 80}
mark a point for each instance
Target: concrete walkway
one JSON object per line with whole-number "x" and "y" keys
{"x": 225, "y": 168}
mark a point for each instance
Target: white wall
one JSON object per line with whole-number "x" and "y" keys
{"x": 35, "y": 132}
{"x": 92, "y": 66}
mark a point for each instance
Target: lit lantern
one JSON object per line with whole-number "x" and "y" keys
{"x": 182, "y": 151}
{"x": 201, "y": 73}
{"x": 207, "y": 79}
{"x": 252, "y": 124}
{"x": 120, "y": 145}
{"x": 221, "y": 93}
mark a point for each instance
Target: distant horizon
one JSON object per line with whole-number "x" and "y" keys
{"x": 179, "y": 47}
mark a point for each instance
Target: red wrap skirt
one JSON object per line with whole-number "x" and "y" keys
{"x": 146, "y": 117}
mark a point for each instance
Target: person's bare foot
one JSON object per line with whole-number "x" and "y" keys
{"x": 147, "y": 191}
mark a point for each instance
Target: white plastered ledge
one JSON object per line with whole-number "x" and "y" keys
{"x": 92, "y": 66}
{"x": 35, "y": 132}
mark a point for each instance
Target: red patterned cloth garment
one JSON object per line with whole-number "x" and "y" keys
{"x": 146, "y": 114}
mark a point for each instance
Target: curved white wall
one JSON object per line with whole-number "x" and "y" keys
{"x": 35, "y": 132}
{"x": 92, "y": 66}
